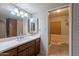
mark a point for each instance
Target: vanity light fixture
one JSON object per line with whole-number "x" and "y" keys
{"x": 58, "y": 11}
{"x": 19, "y": 13}
{"x": 16, "y": 10}
{"x": 22, "y": 16}
{"x": 26, "y": 15}
{"x": 31, "y": 19}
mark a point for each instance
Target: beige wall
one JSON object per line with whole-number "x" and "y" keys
{"x": 63, "y": 19}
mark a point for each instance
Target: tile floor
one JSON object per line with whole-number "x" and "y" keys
{"x": 58, "y": 50}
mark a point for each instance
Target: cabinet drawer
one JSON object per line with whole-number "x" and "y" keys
{"x": 30, "y": 43}
{"x": 22, "y": 53}
{"x": 22, "y": 47}
{"x": 12, "y": 52}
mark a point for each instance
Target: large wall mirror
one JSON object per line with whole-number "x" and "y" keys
{"x": 15, "y": 21}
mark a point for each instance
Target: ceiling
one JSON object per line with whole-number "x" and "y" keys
{"x": 31, "y": 8}
{"x": 5, "y": 9}
{"x": 34, "y": 8}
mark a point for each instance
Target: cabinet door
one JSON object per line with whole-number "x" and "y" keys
{"x": 27, "y": 52}
{"x": 31, "y": 51}
{"x": 22, "y": 50}
{"x": 37, "y": 50}
{"x": 31, "y": 48}
{"x": 22, "y": 47}
{"x": 22, "y": 53}
{"x": 11, "y": 27}
{"x": 27, "y": 49}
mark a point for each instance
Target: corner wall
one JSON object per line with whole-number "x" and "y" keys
{"x": 75, "y": 29}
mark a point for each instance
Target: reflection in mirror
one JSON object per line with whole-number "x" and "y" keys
{"x": 13, "y": 21}
{"x": 2, "y": 28}
{"x": 11, "y": 27}
{"x": 33, "y": 26}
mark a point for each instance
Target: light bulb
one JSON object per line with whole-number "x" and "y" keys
{"x": 18, "y": 14}
{"x": 21, "y": 12}
{"x": 22, "y": 16}
{"x": 16, "y": 10}
{"x": 58, "y": 10}
{"x": 31, "y": 19}
{"x": 26, "y": 15}
{"x": 13, "y": 13}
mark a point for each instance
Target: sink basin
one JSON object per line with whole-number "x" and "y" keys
{"x": 24, "y": 38}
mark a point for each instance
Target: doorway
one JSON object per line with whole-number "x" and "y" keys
{"x": 58, "y": 36}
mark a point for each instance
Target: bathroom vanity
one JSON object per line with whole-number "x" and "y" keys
{"x": 23, "y": 47}
{"x": 18, "y": 34}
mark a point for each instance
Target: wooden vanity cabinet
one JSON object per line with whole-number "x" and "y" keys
{"x": 31, "y": 48}
{"x": 37, "y": 48}
{"x": 22, "y": 53}
{"x": 27, "y": 49}
{"x": 21, "y": 50}
{"x": 11, "y": 52}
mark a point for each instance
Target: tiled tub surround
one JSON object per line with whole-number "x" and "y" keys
{"x": 10, "y": 43}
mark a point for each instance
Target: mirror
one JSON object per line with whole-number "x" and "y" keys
{"x": 15, "y": 21}
{"x": 33, "y": 26}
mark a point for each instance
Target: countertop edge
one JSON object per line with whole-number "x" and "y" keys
{"x": 17, "y": 45}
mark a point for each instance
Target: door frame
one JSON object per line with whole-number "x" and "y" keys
{"x": 70, "y": 25}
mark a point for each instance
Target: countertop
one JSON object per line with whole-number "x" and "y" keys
{"x": 14, "y": 42}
